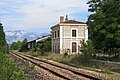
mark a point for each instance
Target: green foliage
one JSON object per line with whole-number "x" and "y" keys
{"x": 19, "y": 45}
{"x": 86, "y": 50}
{"x": 38, "y": 47}
{"x": 104, "y": 25}
{"x": 8, "y": 69}
{"x": 44, "y": 46}
{"x": 3, "y": 43}
{"x": 66, "y": 53}
{"x": 16, "y": 45}
{"x": 23, "y": 46}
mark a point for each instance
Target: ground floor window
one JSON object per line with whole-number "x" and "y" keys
{"x": 74, "y": 47}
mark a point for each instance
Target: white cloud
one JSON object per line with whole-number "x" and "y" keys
{"x": 41, "y": 13}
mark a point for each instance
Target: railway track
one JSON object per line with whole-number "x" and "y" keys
{"x": 60, "y": 70}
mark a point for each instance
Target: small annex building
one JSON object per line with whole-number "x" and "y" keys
{"x": 31, "y": 44}
{"x": 67, "y": 34}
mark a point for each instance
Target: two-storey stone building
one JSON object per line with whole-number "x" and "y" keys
{"x": 66, "y": 36}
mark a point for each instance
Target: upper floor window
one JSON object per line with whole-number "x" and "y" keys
{"x": 58, "y": 33}
{"x": 73, "y": 33}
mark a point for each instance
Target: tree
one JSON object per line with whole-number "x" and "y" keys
{"x": 3, "y": 43}
{"x": 44, "y": 46}
{"x": 8, "y": 69}
{"x": 24, "y": 46}
{"x": 16, "y": 45}
{"x": 104, "y": 25}
{"x": 47, "y": 45}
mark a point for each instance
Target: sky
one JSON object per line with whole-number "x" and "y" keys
{"x": 40, "y": 15}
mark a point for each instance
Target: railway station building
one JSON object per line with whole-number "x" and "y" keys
{"x": 67, "y": 34}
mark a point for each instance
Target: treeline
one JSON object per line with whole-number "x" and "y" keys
{"x": 19, "y": 45}
{"x": 40, "y": 47}
{"x": 8, "y": 69}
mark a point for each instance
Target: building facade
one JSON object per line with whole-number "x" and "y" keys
{"x": 66, "y": 36}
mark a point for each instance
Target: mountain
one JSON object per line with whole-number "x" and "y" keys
{"x": 13, "y": 36}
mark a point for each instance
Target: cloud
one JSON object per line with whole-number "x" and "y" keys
{"x": 39, "y": 14}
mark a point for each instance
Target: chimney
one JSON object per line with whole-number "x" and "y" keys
{"x": 66, "y": 19}
{"x": 61, "y": 19}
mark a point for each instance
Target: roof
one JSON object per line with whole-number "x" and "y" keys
{"x": 69, "y": 22}
{"x": 74, "y": 22}
{"x": 31, "y": 41}
{"x": 40, "y": 39}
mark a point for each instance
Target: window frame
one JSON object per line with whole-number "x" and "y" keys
{"x": 58, "y": 33}
{"x": 52, "y": 34}
{"x": 55, "y": 34}
{"x": 76, "y": 32}
{"x": 74, "y": 47}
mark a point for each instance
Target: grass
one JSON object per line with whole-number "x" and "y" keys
{"x": 74, "y": 60}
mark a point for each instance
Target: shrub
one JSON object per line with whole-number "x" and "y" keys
{"x": 43, "y": 46}
{"x": 66, "y": 53}
{"x": 86, "y": 50}
{"x": 8, "y": 69}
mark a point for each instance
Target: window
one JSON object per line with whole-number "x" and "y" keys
{"x": 55, "y": 34}
{"x": 73, "y": 33}
{"x": 74, "y": 47}
{"x": 52, "y": 34}
{"x": 53, "y": 47}
{"x": 58, "y": 33}
{"x": 58, "y": 46}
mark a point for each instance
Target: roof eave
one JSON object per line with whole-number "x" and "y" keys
{"x": 55, "y": 26}
{"x": 62, "y": 24}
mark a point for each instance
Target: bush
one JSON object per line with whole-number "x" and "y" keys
{"x": 43, "y": 46}
{"x": 86, "y": 50}
{"x": 8, "y": 69}
{"x": 66, "y": 53}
